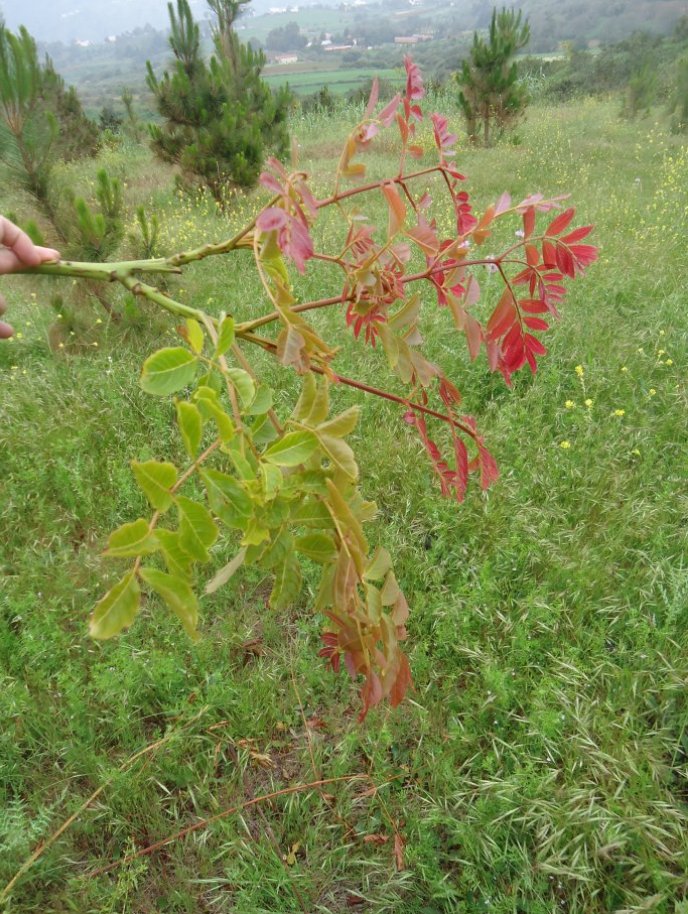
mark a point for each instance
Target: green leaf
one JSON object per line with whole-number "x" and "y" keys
{"x": 255, "y": 534}
{"x": 341, "y": 425}
{"x": 314, "y": 403}
{"x": 272, "y": 480}
{"x": 224, "y": 574}
{"x": 261, "y": 403}
{"x": 263, "y": 431}
{"x": 292, "y": 449}
{"x": 348, "y": 524}
{"x": 197, "y": 529}
{"x": 190, "y": 424}
{"x": 194, "y": 334}
{"x": 156, "y": 479}
{"x": 243, "y": 383}
{"x": 131, "y": 540}
{"x": 317, "y": 546}
{"x": 167, "y": 371}
{"x": 117, "y": 609}
{"x": 287, "y": 584}
{"x": 178, "y": 596}
{"x": 313, "y": 513}
{"x": 209, "y": 405}
{"x": 379, "y": 565}
{"x": 225, "y": 336}
{"x": 227, "y": 498}
{"x": 178, "y": 562}
{"x": 340, "y": 455}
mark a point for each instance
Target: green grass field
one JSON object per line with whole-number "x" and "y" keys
{"x": 540, "y": 764}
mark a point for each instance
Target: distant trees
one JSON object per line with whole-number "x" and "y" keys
{"x": 491, "y": 96}
{"x": 678, "y": 104}
{"x": 286, "y": 38}
{"x": 220, "y": 117}
{"x": 41, "y": 120}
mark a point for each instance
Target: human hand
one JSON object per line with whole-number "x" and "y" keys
{"x": 17, "y": 251}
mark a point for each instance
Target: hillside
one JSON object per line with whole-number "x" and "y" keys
{"x": 552, "y": 20}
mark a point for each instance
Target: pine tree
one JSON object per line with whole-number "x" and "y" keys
{"x": 41, "y": 120}
{"x": 490, "y": 93}
{"x": 220, "y": 117}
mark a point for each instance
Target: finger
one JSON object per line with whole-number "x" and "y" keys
{"x": 9, "y": 261}
{"x": 47, "y": 253}
{"x": 5, "y": 330}
{"x": 19, "y": 242}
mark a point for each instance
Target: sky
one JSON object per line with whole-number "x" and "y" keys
{"x": 94, "y": 20}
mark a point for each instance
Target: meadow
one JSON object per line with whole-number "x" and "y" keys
{"x": 541, "y": 762}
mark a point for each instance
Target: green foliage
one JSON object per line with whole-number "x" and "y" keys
{"x": 679, "y": 96}
{"x": 546, "y": 736}
{"x": 221, "y": 119}
{"x": 491, "y": 96}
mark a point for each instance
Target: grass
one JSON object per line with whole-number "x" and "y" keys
{"x": 542, "y": 762}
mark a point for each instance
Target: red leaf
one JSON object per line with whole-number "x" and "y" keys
{"x": 271, "y": 219}
{"x": 489, "y": 472}
{"x": 401, "y": 683}
{"x": 528, "y": 222}
{"x": 533, "y": 305}
{"x": 535, "y": 323}
{"x": 562, "y": 221}
{"x": 549, "y": 254}
{"x": 502, "y": 317}
{"x": 386, "y": 116}
{"x": 399, "y": 851}
{"x": 577, "y": 234}
{"x": 533, "y": 344}
{"x": 532, "y": 255}
{"x": 565, "y": 261}
{"x": 374, "y": 95}
{"x": 397, "y": 209}
{"x": 474, "y": 336}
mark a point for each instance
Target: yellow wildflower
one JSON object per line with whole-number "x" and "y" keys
{"x": 588, "y": 402}
{"x": 652, "y": 391}
{"x": 624, "y": 368}
{"x": 569, "y": 404}
{"x": 580, "y": 371}
{"x": 668, "y": 361}
{"x": 565, "y": 445}
{"x": 619, "y": 412}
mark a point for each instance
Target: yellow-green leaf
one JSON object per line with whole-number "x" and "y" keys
{"x": 261, "y": 403}
{"x": 317, "y": 546}
{"x": 341, "y": 425}
{"x": 131, "y": 540}
{"x": 272, "y": 480}
{"x": 156, "y": 479}
{"x": 197, "y": 529}
{"x": 287, "y": 584}
{"x": 225, "y": 336}
{"x": 340, "y": 455}
{"x": 194, "y": 334}
{"x": 178, "y": 562}
{"x": 117, "y": 609}
{"x": 243, "y": 383}
{"x": 190, "y": 424}
{"x": 227, "y": 498}
{"x": 168, "y": 370}
{"x": 178, "y": 596}
{"x": 224, "y": 574}
{"x": 292, "y": 449}
{"x": 379, "y": 565}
